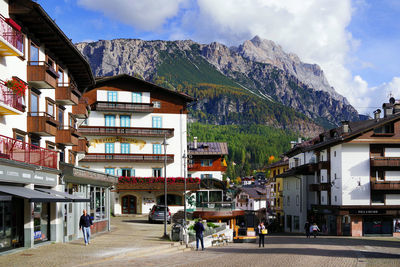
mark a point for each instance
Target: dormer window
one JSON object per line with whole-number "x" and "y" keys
{"x": 385, "y": 129}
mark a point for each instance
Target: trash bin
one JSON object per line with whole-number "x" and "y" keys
{"x": 176, "y": 232}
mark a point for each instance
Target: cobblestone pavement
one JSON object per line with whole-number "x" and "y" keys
{"x": 134, "y": 242}
{"x": 280, "y": 251}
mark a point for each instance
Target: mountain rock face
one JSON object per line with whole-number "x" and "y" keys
{"x": 259, "y": 68}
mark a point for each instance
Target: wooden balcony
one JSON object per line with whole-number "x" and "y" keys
{"x": 141, "y": 158}
{"x": 82, "y": 147}
{"x": 320, "y": 187}
{"x": 324, "y": 165}
{"x": 125, "y": 131}
{"x": 11, "y": 40}
{"x": 41, "y": 75}
{"x": 81, "y": 111}
{"x": 391, "y": 162}
{"x": 42, "y": 123}
{"x": 67, "y": 94}
{"x": 122, "y": 107}
{"x": 385, "y": 185}
{"x": 67, "y": 135}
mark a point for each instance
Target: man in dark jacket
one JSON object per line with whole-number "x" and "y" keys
{"x": 199, "y": 228}
{"x": 85, "y": 224}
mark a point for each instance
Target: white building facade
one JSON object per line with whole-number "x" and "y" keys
{"x": 128, "y": 122}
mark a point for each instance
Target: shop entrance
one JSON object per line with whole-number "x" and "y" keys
{"x": 11, "y": 223}
{"x": 377, "y": 225}
{"x": 41, "y": 222}
{"x": 129, "y": 204}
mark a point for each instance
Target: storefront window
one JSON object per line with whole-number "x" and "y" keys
{"x": 296, "y": 221}
{"x": 41, "y": 222}
{"x": 172, "y": 200}
{"x": 98, "y": 203}
{"x": 11, "y": 224}
{"x": 215, "y": 196}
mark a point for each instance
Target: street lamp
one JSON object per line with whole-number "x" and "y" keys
{"x": 165, "y": 186}
{"x": 184, "y": 190}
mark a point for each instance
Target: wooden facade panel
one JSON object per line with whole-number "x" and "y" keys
{"x": 82, "y": 146}
{"x": 217, "y": 165}
{"x": 81, "y": 109}
{"x": 65, "y": 95}
{"x": 39, "y": 74}
{"x": 67, "y": 137}
{"x": 41, "y": 125}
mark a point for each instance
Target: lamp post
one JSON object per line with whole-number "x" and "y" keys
{"x": 165, "y": 186}
{"x": 184, "y": 182}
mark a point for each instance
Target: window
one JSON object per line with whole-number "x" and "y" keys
{"x": 322, "y": 199}
{"x": 112, "y": 96}
{"x": 334, "y": 153}
{"x": 157, "y": 172}
{"x": 156, "y": 104}
{"x": 288, "y": 201}
{"x": 60, "y": 116}
{"x": 377, "y": 198}
{"x": 98, "y": 203}
{"x": 204, "y": 176}
{"x": 34, "y": 54}
{"x": 125, "y": 121}
{"x": 62, "y": 153}
{"x": 128, "y": 172}
{"x": 206, "y": 162}
{"x": 335, "y": 198}
{"x": 50, "y": 62}
{"x": 110, "y": 171}
{"x": 60, "y": 77}
{"x": 388, "y": 128}
{"x": 136, "y": 97}
{"x": 172, "y": 200}
{"x": 50, "y": 107}
{"x": 109, "y": 120}
{"x": 71, "y": 157}
{"x": 109, "y": 148}
{"x": 156, "y": 149}
{"x": 34, "y": 104}
{"x": 125, "y": 148}
{"x": 35, "y": 140}
{"x": 296, "y": 222}
{"x": 157, "y": 122}
{"x": 297, "y": 200}
{"x": 19, "y": 135}
{"x": 297, "y": 184}
{"x": 72, "y": 121}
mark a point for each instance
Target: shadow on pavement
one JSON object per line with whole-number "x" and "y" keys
{"x": 334, "y": 241}
{"x": 305, "y": 251}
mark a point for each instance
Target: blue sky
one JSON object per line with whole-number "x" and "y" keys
{"x": 356, "y": 42}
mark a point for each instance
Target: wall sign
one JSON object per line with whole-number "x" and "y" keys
{"x": 367, "y": 212}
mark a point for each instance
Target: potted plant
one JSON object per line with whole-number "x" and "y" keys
{"x": 17, "y": 86}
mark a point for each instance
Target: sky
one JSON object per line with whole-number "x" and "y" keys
{"x": 356, "y": 42}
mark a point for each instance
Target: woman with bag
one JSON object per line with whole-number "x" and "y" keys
{"x": 262, "y": 231}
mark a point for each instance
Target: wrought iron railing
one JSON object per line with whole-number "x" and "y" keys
{"x": 20, "y": 151}
{"x": 8, "y": 97}
{"x": 12, "y": 36}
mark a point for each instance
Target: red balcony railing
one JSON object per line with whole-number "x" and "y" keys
{"x": 146, "y": 158}
{"x": 12, "y": 36}
{"x": 20, "y": 151}
{"x": 126, "y": 131}
{"x": 8, "y": 97}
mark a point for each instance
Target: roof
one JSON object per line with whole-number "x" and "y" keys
{"x": 208, "y": 148}
{"x": 337, "y": 135}
{"x": 254, "y": 192}
{"x": 104, "y": 80}
{"x": 40, "y": 25}
{"x": 279, "y": 163}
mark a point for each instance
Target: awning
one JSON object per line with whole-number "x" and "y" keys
{"x": 32, "y": 195}
{"x": 63, "y": 194}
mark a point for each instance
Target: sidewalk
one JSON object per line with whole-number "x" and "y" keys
{"x": 130, "y": 236}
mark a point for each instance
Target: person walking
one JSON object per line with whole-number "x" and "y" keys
{"x": 261, "y": 234}
{"x": 85, "y": 223}
{"x": 199, "y": 228}
{"x": 307, "y": 229}
{"x": 314, "y": 229}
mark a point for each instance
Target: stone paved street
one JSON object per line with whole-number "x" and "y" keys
{"x": 134, "y": 242}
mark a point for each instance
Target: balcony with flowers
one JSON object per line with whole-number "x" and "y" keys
{"x": 11, "y": 38}
{"x": 157, "y": 184}
{"x": 12, "y": 93}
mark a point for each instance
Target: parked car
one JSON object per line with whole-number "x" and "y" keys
{"x": 157, "y": 214}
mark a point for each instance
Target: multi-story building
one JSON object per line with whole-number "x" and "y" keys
{"x": 251, "y": 198}
{"x": 129, "y": 122}
{"x": 42, "y": 77}
{"x": 349, "y": 176}
{"x": 276, "y": 184}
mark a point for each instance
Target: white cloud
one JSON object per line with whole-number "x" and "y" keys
{"x": 313, "y": 29}
{"x": 146, "y": 15}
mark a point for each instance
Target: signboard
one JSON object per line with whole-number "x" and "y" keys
{"x": 140, "y": 143}
{"x": 21, "y": 175}
{"x": 367, "y": 212}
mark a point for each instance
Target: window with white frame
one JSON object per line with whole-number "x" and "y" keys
{"x": 125, "y": 121}
{"x": 157, "y": 172}
{"x": 136, "y": 97}
{"x": 125, "y": 148}
{"x": 112, "y": 96}
{"x": 109, "y": 120}
{"x": 156, "y": 104}
{"x": 157, "y": 122}
{"x": 157, "y": 149}
{"x": 109, "y": 148}
{"x": 110, "y": 171}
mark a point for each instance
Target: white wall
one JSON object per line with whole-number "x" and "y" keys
{"x": 392, "y": 152}
{"x": 215, "y": 175}
{"x": 356, "y": 174}
{"x": 336, "y": 168}
{"x": 324, "y": 176}
{"x": 122, "y": 96}
{"x": 392, "y": 199}
{"x": 296, "y": 189}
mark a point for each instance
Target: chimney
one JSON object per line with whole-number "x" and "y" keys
{"x": 377, "y": 114}
{"x": 396, "y": 108}
{"x": 345, "y": 125}
{"x": 195, "y": 142}
{"x": 292, "y": 144}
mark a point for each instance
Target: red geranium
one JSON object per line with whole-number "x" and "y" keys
{"x": 17, "y": 86}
